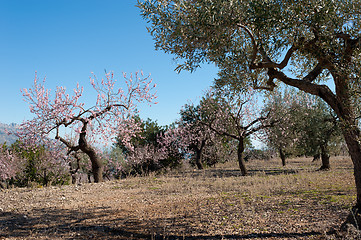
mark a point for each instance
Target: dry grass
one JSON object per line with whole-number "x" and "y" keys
{"x": 274, "y": 202}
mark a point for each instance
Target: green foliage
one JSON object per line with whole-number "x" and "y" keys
{"x": 305, "y": 124}
{"x": 146, "y": 154}
{"x": 30, "y": 173}
{"x": 211, "y": 30}
{"x": 150, "y": 131}
{"x": 37, "y": 167}
{"x": 318, "y": 131}
{"x": 115, "y": 164}
{"x": 205, "y": 145}
{"x": 256, "y": 43}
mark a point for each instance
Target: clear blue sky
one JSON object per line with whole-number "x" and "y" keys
{"x": 67, "y": 40}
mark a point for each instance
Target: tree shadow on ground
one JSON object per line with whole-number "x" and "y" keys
{"x": 225, "y": 173}
{"x": 105, "y": 223}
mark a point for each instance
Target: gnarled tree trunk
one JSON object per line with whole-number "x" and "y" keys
{"x": 325, "y": 157}
{"x": 198, "y": 151}
{"x": 74, "y": 171}
{"x": 198, "y": 159}
{"x": 282, "y": 156}
{"x": 352, "y": 138}
{"x": 97, "y": 165}
{"x": 241, "y": 162}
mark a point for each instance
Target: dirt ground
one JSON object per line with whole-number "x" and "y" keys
{"x": 274, "y": 202}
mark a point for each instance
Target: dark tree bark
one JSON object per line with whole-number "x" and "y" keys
{"x": 46, "y": 178}
{"x": 84, "y": 146}
{"x": 241, "y": 162}
{"x": 282, "y": 156}
{"x": 73, "y": 178}
{"x": 74, "y": 171}
{"x": 325, "y": 157}
{"x": 198, "y": 159}
{"x": 89, "y": 177}
{"x": 97, "y": 165}
{"x": 198, "y": 151}
{"x": 351, "y": 138}
{"x": 316, "y": 157}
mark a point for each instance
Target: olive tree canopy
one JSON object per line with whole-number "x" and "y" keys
{"x": 262, "y": 43}
{"x": 306, "y": 37}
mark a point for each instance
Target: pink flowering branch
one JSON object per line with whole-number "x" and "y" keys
{"x": 101, "y": 123}
{"x": 236, "y": 116}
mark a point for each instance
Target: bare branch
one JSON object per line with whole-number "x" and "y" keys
{"x": 269, "y": 87}
{"x": 254, "y": 43}
{"x": 222, "y": 133}
{"x": 311, "y": 76}
{"x": 344, "y": 36}
{"x": 255, "y": 121}
{"x": 67, "y": 143}
{"x": 271, "y": 124}
{"x": 323, "y": 91}
{"x": 267, "y": 63}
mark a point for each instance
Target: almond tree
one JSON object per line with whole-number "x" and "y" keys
{"x": 146, "y": 154}
{"x": 234, "y": 116}
{"x": 44, "y": 165}
{"x": 264, "y": 43}
{"x": 185, "y": 139}
{"x": 21, "y": 166}
{"x": 10, "y": 164}
{"x": 172, "y": 145}
{"x": 282, "y": 136}
{"x": 195, "y": 135}
{"x": 63, "y": 115}
{"x": 189, "y": 139}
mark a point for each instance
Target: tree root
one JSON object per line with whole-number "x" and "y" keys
{"x": 353, "y": 219}
{"x": 323, "y": 168}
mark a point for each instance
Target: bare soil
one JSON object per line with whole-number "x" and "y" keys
{"x": 274, "y": 202}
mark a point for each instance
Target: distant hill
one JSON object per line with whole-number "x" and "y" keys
{"x": 4, "y": 137}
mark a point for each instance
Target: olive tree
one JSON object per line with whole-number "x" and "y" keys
{"x": 281, "y": 137}
{"x": 305, "y": 126}
{"x": 317, "y": 132}
{"x": 264, "y": 43}
{"x": 236, "y": 117}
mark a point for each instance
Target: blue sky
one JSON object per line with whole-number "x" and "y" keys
{"x": 66, "y": 40}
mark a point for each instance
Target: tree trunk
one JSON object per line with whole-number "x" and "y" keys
{"x": 325, "y": 157}
{"x": 97, "y": 165}
{"x": 241, "y": 162}
{"x": 316, "y": 157}
{"x": 198, "y": 159}
{"x": 354, "y": 149}
{"x": 198, "y": 152}
{"x": 346, "y": 112}
{"x": 283, "y": 157}
{"x": 46, "y": 178}
{"x": 72, "y": 170}
{"x": 89, "y": 177}
{"x": 73, "y": 179}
